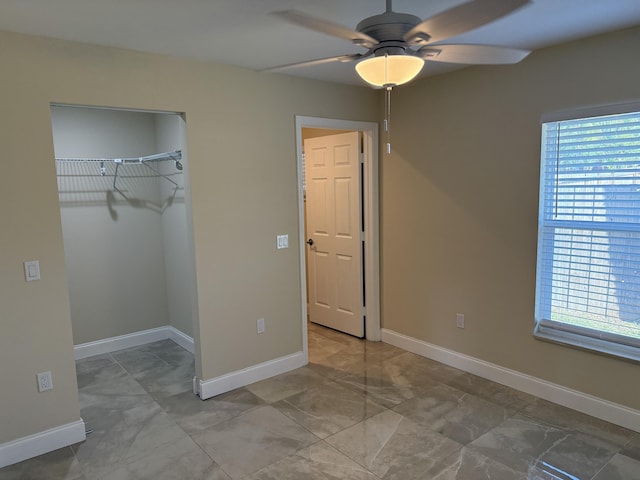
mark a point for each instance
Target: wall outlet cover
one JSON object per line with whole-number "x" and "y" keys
{"x": 45, "y": 382}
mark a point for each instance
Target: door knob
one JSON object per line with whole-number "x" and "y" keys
{"x": 310, "y": 241}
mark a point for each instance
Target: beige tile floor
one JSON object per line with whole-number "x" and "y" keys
{"x": 359, "y": 410}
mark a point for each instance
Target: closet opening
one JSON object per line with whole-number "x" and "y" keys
{"x": 125, "y": 210}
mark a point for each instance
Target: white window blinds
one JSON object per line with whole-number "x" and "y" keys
{"x": 588, "y": 278}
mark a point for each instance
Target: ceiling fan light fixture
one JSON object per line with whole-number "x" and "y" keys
{"x": 389, "y": 70}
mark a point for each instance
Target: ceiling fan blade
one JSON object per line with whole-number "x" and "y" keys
{"x": 472, "y": 54}
{"x": 327, "y": 27}
{"x": 460, "y": 19}
{"x": 319, "y": 61}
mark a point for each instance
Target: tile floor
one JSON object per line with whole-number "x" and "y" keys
{"x": 359, "y": 410}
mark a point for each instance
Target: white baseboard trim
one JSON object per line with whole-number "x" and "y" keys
{"x": 182, "y": 339}
{"x": 49, "y": 440}
{"x": 108, "y": 345}
{"x": 135, "y": 339}
{"x": 42, "y": 442}
{"x": 582, "y": 402}
{"x": 225, "y": 383}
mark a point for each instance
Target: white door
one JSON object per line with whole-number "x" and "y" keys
{"x": 334, "y": 246}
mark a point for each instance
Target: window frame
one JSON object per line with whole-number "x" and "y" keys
{"x": 559, "y": 332}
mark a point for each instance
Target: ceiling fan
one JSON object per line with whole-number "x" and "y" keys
{"x": 397, "y": 44}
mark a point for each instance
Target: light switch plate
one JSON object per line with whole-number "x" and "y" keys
{"x": 282, "y": 241}
{"x": 32, "y": 270}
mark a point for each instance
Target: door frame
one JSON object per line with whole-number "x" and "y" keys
{"x": 371, "y": 258}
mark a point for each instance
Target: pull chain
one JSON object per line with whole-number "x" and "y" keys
{"x": 387, "y": 116}
{"x": 387, "y": 98}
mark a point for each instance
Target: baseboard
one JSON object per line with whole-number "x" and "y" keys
{"x": 135, "y": 339}
{"x": 182, "y": 339}
{"x": 582, "y": 402}
{"x": 42, "y": 442}
{"x": 225, "y": 383}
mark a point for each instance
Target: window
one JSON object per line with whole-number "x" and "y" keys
{"x": 588, "y": 273}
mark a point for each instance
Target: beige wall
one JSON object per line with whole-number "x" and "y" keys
{"x": 241, "y": 143}
{"x": 318, "y": 132}
{"x": 459, "y": 207}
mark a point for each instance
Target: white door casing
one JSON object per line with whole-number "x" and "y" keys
{"x": 371, "y": 260}
{"x": 334, "y": 248}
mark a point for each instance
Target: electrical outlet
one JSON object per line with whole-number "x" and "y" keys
{"x": 45, "y": 382}
{"x": 260, "y": 325}
{"x": 459, "y": 320}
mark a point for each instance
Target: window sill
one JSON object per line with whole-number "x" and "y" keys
{"x": 583, "y": 342}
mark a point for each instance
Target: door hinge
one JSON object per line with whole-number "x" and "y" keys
{"x": 361, "y": 157}
{"x": 364, "y": 311}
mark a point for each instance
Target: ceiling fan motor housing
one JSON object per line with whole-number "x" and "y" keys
{"x": 389, "y": 26}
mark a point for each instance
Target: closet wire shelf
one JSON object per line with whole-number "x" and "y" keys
{"x": 147, "y": 161}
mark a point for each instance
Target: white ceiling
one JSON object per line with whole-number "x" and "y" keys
{"x": 242, "y": 33}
